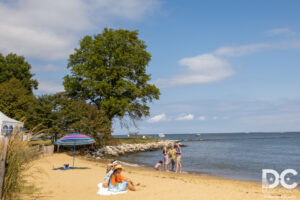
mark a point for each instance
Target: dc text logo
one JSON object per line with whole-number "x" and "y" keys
{"x": 277, "y": 178}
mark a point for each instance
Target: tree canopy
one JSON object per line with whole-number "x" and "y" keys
{"x": 14, "y": 66}
{"x": 85, "y": 118}
{"x": 57, "y": 115}
{"x": 109, "y": 71}
{"x": 15, "y": 99}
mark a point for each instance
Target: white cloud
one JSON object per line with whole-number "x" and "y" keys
{"x": 215, "y": 118}
{"x": 128, "y": 9}
{"x": 241, "y": 49}
{"x": 278, "y": 31}
{"x": 49, "y": 86}
{"x": 185, "y": 117}
{"x": 202, "y": 118}
{"x": 203, "y": 62}
{"x": 213, "y": 67}
{"x": 50, "y": 29}
{"x": 157, "y": 118}
{"x": 225, "y": 118}
{"x": 205, "y": 68}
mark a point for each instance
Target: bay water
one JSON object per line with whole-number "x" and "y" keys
{"x": 238, "y": 156}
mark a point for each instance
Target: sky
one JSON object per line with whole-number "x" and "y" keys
{"x": 221, "y": 66}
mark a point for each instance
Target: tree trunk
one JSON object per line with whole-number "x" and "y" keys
{"x": 2, "y": 164}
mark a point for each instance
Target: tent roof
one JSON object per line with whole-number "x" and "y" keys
{"x": 4, "y": 118}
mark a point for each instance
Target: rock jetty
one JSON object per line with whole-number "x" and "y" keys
{"x": 129, "y": 148}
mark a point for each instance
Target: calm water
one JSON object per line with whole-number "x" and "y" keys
{"x": 236, "y": 156}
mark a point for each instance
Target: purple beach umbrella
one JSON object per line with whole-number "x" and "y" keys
{"x": 74, "y": 139}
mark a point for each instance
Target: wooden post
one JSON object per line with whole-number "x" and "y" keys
{"x": 2, "y": 164}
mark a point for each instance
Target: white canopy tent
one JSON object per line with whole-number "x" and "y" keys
{"x": 7, "y": 125}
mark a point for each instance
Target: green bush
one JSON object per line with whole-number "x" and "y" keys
{"x": 41, "y": 143}
{"x": 138, "y": 140}
{"x": 18, "y": 158}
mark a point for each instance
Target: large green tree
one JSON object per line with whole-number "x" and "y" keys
{"x": 15, "y": 99}
{"x": 109, "y": 71}
{"x": 14, "y": 66}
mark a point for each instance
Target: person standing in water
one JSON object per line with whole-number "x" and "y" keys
{"x": 166, "y": 158}
{"x": 172, "y": 156}
{"x": 178, "y": 157}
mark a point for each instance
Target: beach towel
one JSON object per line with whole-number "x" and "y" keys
{"x": 104, "y": 191}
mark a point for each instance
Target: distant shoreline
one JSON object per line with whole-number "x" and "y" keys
{"x": 205, "y": 133}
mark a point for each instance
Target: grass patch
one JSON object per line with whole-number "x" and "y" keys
{"x": 139, "y": 140}
{"x": 18, "y": 158}
{"x": 41, "y": 143}
{"x": 29, "y": 190}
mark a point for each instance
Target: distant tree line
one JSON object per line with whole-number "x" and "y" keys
{"x": 108, "y": 80}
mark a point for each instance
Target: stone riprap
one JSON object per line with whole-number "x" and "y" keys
{"x": 129, "y": 148}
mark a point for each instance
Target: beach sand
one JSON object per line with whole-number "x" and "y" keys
{"x": 81, "y": 184}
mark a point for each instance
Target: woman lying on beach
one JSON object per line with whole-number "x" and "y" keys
{"x": 119, "y": 183}
{"x": 109, "y": 172}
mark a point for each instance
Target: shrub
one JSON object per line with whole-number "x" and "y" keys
{"x": 18, "y": 158}
{"x": 41, "y": 143}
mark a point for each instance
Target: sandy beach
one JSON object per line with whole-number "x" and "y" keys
{"x": 81, "y": 184}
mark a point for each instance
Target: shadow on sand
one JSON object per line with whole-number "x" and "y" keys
{"x": 62, "y": 168}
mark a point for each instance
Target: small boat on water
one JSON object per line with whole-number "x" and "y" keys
{"x": 198, "y": 134}
{"x": 161, "y": 135}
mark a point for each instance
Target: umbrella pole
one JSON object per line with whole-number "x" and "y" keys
{"x": 74, "y": 156}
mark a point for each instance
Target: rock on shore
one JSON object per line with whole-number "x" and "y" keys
{"x": 129, "y": 148}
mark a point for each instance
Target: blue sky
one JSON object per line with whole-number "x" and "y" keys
{"x": 222, "y": 66}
